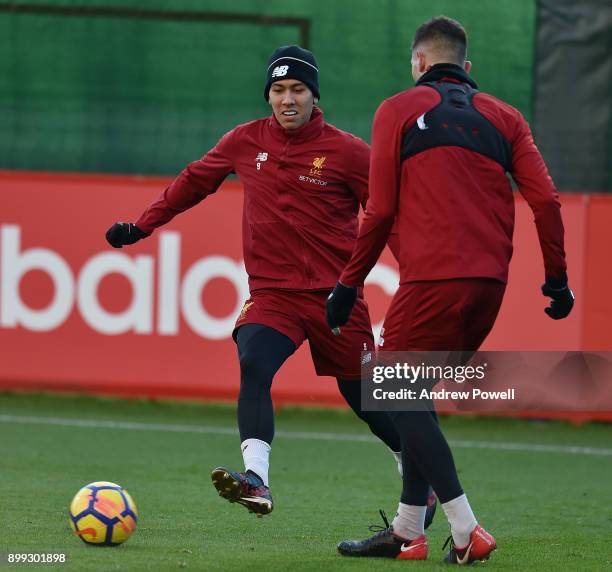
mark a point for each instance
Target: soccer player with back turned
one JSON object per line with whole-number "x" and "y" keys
{"x": 304, "y": 180}
{"x": 440, "y": 154}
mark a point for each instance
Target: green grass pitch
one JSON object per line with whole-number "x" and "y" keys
{"x": 543, "y": 489}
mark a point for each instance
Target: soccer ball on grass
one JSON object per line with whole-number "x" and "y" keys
{"x": 103, "y": 513}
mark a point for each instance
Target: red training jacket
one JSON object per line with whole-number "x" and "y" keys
{"x": 302, "y": 190}
{"x": 453, "y": 206}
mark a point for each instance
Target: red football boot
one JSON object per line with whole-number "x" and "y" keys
{"x": 479, "y": 548}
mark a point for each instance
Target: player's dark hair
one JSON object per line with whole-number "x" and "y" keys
{"x": 446, "y": 36}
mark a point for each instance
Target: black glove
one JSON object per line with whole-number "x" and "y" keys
{"x": 339, "y": 306}
{"x": 562, "y": 297}
{"x": 123, "y": 233}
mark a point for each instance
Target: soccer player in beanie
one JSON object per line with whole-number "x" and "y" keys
{"x": 304, "y": 180}
{"x": 440, "y": 154}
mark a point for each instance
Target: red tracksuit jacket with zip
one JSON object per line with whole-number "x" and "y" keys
{"x": 438, "y": 170}
{"x": 302, "y": 191}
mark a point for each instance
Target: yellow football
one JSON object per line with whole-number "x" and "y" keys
{"x": 103, "y": 513}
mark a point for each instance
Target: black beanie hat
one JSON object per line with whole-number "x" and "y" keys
{"x": 292, "y": 62}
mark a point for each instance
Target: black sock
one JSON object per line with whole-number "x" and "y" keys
{"x": 424, "y": 444}
{"x": 261, "y": 350}
{"x": 379, "y": 422}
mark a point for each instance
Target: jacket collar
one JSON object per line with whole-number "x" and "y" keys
{"x": 310, "y": 130}
{"x": 448, "y": 72}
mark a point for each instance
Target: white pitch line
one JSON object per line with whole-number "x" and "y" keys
{"x": 306, "y": 435}
{"x": 532, "y": 447}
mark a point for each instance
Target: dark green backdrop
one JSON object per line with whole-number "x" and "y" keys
{"x": 135, "y": 95}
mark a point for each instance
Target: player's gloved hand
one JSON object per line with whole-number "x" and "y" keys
{"x": 124, "y": 233}
{"x": 339, "y": 306}
{"x": 562, "y": 297}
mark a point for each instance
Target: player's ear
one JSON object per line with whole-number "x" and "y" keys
{"x": 316, "y": 100}
{"x": 467, "y": 66}
{"x": 423, "y": 66}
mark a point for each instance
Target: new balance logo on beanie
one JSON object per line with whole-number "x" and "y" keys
{"x": 280, "y": 71}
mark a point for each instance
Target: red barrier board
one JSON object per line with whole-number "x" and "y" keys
{"x": 155, "y": 319}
